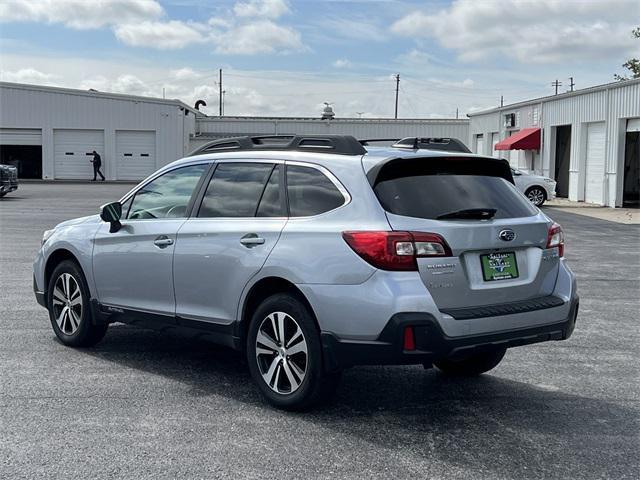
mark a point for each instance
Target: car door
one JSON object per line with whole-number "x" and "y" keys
{"x": 237, "y": 225}
{"x": 133, "y": 267}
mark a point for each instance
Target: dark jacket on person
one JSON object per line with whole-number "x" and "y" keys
{"x": 97, "y": 161}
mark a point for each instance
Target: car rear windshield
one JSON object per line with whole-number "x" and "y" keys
{"x": 423, "y": 190}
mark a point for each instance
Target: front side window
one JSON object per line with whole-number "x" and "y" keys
{"x": 310, "y": 192}
{"x": 235, "y": 190}
{"x": 167, "y": 196}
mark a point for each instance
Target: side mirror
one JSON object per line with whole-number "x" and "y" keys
{"x": 111, "y": 213}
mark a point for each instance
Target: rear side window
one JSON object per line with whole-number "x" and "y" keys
{"x": 235, "y": 190}
{"x": 416, "y": 191}
{"x": 310, "y": 192}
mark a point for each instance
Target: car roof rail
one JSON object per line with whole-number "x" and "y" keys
{"x": 339, "y": 144}
{"x": 432, "y": 143}
{"x": 367, "y": 141}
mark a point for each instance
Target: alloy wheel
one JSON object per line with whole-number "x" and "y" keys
{"x": 281, "y": 353}
{"x": 67, "y": 304}
{"x": 536, "y": 196}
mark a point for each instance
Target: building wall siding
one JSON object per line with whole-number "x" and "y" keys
{"x": 613, "y": 104}
{"x": 360, "y": 128}
{"x": 50, "y": 110}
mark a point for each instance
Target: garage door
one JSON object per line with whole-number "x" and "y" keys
{"x": 135, "y": 154}
{"x": 19, "y": 136}
{"x": 594, "y": 180}
{"x": 72, "y": 153}
{"x": 480, "y": 145}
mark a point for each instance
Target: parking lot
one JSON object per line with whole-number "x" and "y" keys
{"x": 146, "y": 405}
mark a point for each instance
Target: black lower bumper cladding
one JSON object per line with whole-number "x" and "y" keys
{"x": 431, "y": 343}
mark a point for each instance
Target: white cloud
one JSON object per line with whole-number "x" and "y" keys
{"x": 28, "y": 75}
{"x": 80, "y": 14}
{"x": 415, "y": 57}
{"x": 541, "y": 31}
{"x": 261, "y": 8}
{"x": 185, "y": 73}
{"x": 359, "y": 28}
{"x": 249, "y": 28}
{"x": 169, "y": 35}
{"x": 342, "y": 63}
{"x": 263, "y": 36}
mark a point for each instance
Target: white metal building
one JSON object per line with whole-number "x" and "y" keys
{"x": 589, "y": 140}
{"x": 216, "y": 127}
{"x": 49, "y": 132}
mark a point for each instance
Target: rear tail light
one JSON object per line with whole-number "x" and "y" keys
{"x": 555, "y": 238}
{"x": 396, "y": 251}
{"x": 409, "y": 340}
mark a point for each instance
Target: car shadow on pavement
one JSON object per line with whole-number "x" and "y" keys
{"x": 481, "y": 424}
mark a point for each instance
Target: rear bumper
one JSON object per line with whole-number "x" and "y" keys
{"x": 431, "y": 343}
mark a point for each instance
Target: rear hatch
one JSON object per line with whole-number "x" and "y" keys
{"x": 497, "y": 238}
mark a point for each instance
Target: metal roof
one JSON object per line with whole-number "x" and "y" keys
{"x": 99, "y": 94}
{"x": 560, "y": 96}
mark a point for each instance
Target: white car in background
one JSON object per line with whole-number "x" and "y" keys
{"x": 537, "y": 189}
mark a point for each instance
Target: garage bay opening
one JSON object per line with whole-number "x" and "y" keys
{"x": 562, "y": 160}
{"x": 631, "y": 190}
{"x": 26, "y": 158}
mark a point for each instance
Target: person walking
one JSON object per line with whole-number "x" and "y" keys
{"x": 97, "y": 163}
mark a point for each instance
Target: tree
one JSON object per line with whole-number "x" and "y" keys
{"x": 633, "y": 64}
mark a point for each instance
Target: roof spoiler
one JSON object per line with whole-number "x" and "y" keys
{"x": 432, "y": 143}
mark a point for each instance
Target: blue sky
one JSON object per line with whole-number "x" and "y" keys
{"x": 287, "y": 57}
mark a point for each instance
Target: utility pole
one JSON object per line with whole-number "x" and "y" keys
{"x": 502, "y": 100}
{"x": 163, "y": 92}
{"x": 220, "y": 86}
{"x": 397, "y": 88}
{"x": 571, "y": 85}
{"x": 359, "y": 114}
{"x": 556, "y": 84}
{"x": 456, "y": 113}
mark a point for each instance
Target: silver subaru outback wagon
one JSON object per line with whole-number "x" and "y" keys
{"x": 312, "y": 254}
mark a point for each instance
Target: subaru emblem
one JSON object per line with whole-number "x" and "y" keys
{"x": 507, "y": 235}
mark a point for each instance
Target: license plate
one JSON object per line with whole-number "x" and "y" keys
{"x": 499, "y": 266}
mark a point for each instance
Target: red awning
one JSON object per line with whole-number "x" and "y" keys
{"x": 525, "y": 139}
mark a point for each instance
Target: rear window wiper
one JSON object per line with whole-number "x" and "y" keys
{"x": 470, "y": 213}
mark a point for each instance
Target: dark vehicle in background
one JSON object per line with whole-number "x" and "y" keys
{"x": 8, "y": 179}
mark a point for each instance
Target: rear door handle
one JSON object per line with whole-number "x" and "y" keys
{"x": 251, "y": 240}
{"x": 163, "y": 241}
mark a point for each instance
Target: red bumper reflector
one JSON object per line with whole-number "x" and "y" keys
{"x": 409, "y": 339}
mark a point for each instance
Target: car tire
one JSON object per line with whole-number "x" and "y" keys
{"x": 536, "y": 195}
{"x": 284, "y": 353}
{"x": 69, "y": 306}
{"x": 472, "y": 365}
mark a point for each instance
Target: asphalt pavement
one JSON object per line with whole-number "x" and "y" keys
{"x": 143, "y": 404}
